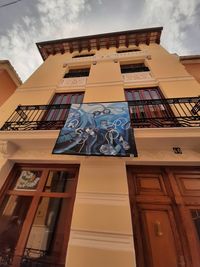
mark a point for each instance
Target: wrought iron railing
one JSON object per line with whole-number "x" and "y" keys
{"x": 172, "y": 112}
{"x": 31, "y": 258}
{"x": 37, "y": 117}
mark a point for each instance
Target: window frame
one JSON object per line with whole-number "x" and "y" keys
{"x": 77, "y": 73}
{"x": 37, "y": 195}
{"x": 54, "y": 114}
{"x": 136, "y": 67}
{"x": 129, "y": 50}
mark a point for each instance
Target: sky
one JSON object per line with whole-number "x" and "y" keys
{"x": 26, "y": 22}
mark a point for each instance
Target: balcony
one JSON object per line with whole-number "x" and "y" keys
{"x": 156, "y": 113}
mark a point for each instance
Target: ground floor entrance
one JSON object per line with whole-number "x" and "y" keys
{"x": 35, "y": 215}
{"x": 165, "y": 208}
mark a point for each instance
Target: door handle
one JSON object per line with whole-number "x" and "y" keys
{"x": 158, "y": 229}
{"x": 181, "y": 261}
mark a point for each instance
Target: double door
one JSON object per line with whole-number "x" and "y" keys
{"x": 165, "y": 207}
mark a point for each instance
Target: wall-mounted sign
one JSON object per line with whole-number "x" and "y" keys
{"x": 28, "y": 180}
{"x": 99, "y": 129}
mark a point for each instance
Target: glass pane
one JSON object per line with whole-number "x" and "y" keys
{"x": 59, "y": 181}
{"x": 57, "y": 99}
{"x": 146, "y": 94}
{"x": 136, "y": 95}
{"x": 27, "y": 180}
{"x": 64, "y": 100}
{"x": 12, "y": 215}
{"x": 155, "y": 94}
{"x": 129, "y": 95}
{"x": 47, "y": 231}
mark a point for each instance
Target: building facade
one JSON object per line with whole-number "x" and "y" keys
{"x": 192, "y": 65}
{"x": 78, "y": 211}
{"x": 9, "y": 80}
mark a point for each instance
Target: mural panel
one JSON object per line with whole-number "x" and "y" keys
{"x": 99, "y": 129}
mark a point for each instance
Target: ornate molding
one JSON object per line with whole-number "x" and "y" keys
{"x": 137, "y": 76}
{"x": 102, "y": 199}
{"x": 74, "y": 82}
{"x": 101, "y": 240}
{"x": 114, "y": 56}
{"x": 7, "y": 148}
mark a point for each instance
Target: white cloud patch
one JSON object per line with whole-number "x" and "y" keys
{"x": 173, "y": 15}
{"x": 57, "y": 19}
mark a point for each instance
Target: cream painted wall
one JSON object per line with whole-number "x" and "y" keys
{"x": 183, "y": 88}
{"x": 101, "y": 230}
{"x": 21, "y": 97}
{"x": 163, "y": 64}
{"x": 101, "y": 224}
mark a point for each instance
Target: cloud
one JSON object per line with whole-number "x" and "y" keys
{"x": 43, "y": 20}
{"x": 173, "y": 15}
{"x": 56, "y": 19}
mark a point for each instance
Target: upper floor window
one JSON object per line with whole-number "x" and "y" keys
{"x": 130, "y": 50}
{"x": 143, "y": 93}
{"x": 84, "y": 55}
{"x": 130, "y": 68}
{"x": 151, "y": 113}
{"x": 72, "y": 73}
{"x": 59, "y": 115}
{"x": 67, "y": 98}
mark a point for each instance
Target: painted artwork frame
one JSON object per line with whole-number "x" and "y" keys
{"x": 97, "y": 129}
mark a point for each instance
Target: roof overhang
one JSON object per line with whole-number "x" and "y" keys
{"x": 6, "y": 65}
{"x": 106, "y": 40}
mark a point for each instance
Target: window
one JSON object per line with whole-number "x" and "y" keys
{"x": 130, "y": 68}
{"x": 148, "y": 114}
{"x": 56, "y": 116}
{"x": 83, "y": 55}
{"x": 142, "y": 93}
{"x": 73, "y": 73}
{"x": 35, "y": 214}
{"x": 130, "y": 50}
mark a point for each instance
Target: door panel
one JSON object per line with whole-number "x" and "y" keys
{"x": 188, "y": 183}
{"x": 165, "y": 208}
{"x": 159, "y": 230}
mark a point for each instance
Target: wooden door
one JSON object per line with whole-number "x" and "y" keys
{"x": 164, "y": 232}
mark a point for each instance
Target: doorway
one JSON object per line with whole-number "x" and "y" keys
{"x": 165, "y": 209}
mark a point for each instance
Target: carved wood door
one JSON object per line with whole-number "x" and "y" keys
{"x": 164, "y": 204}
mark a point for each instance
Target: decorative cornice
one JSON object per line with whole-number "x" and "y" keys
{"x": 7, "y": 148}
{"x": 115, "y": 56}
{"x": 96, "y": 42}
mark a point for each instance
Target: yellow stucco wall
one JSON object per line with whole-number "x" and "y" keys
{"x": 101, "y": 230}
{"x": 7, "y": 86}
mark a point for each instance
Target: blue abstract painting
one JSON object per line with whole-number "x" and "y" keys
{"x": 100, "y": 129}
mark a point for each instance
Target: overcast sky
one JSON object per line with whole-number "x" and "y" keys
{"x": 29, "y": 21}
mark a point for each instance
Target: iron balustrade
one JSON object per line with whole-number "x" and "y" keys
{"x": 37, "y": 117}
{"x": 171, "y": 112}
{"x": 31, "y": 258}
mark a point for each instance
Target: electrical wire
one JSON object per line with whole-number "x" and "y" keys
{"x": 11, "y": 3}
